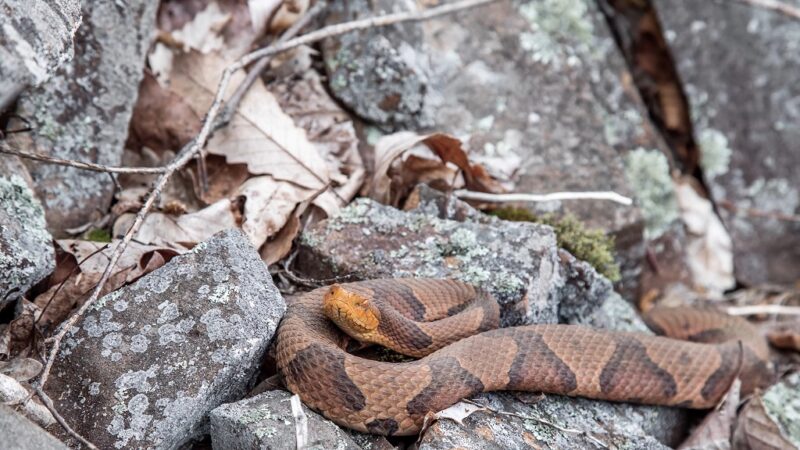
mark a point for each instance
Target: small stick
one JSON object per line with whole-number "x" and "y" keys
{"x": 775, "y": 5}
{"x": 50, "y": 406}
{"x": 4, "y": 148}
{"x": 300, "y": 423}
{"x": 763, "y": 309}
{"x": 554, "y": 196}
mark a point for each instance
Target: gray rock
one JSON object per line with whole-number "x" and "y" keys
{"x": 771, "y": 420}
{"x": 82, "y": 113}
{"x": 149, "y": 361}
{"x": 26, "y": 248}
{"x": 615, "y": 425}
{"x": 19, "y": 433}
{"x": 35, "y": 38}
{"x": 739, "y": 65}
{"x": 377, "y": 72}
{"x": 266, "y": 422}
{"x": 518, "y": 262}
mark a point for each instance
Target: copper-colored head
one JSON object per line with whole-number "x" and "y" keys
{"x": 351, "y": 312}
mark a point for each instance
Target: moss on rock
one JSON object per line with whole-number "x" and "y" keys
{"x": 592, "y": 246}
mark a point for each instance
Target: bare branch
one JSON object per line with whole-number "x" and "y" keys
{"x": 4, "y": 148}
{"x": 775, "y": 5}
{"x": 763, "y": 309}
{"x": 518, "y": 197}
{"x": 50, "y": 406}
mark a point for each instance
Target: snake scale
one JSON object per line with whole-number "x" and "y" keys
{"x": 452, "y": 326}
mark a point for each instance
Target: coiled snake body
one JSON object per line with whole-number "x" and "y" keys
{"x": 454, "y": 325}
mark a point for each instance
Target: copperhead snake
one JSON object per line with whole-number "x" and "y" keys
{"x": 452, "y": 327}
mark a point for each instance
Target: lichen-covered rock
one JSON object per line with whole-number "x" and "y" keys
{"x": 591, "y": 425}
{"x": 35, "y": 38}
{"x": 83, "y": 111}
{"x": 149, "y": 361}
{"x": 517, "y": 262}
{"x": 266, "y": 422}
{"x": 377, "y": 72}
{"x": 19, "y": 433}
{"x": 727, "y": 57}
{"x": 26, "y": 248}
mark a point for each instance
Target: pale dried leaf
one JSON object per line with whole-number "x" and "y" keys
{"x": 709, "y": 252}
{"x": 459, "y": 412}
{"x": 281, "y": 243}
{"x": 287, "y": 14}
{"x": 203, "y": 32}
{"x": 21, "y": 369}
{"x": 384, "y": 185}
{"x": 74, "y": 282}
{"x": 714, "y": 432}
{"x": 188, "y": 229}
{"x": 260, "y": 134}
{"x": 268, "y": 206}
{"x": 261, "y": 11}
{"x": 756, "y": 430}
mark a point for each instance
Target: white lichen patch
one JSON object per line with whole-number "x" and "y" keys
{"x": 715, "y": 151}
{"x": 782, "y": 404}
{"x": 561, "y": 31}
{"x": 648, "y": 173}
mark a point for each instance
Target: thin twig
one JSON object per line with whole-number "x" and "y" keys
{"x": 300, "y": 423}
{"x": 50, "y": 406}
{"x": 540, "y": 420}
{"x": 4, "y": 148}
{"x": 193, "y": 148}
{"x": 554, "y": 196}
{"x": 774, "y": 5}
{"x": 763, "y": 309}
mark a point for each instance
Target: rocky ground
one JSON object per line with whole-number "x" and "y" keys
{"x": 345, "y": 162}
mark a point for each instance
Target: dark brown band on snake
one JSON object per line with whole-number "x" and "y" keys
{"x": 463, "y": 359}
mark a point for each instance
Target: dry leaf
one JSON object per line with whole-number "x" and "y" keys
{"x": 459, "y": 412}
{"x": 327, "y": 126}
{"x": 287, "y": 14}
{"x": 714, "y": 432}
{"x": 785, "y": 335}
{"x": 21, "y": 369}
{"x": 260, "y": 134}
{"x": 756, "y": 430}
{"x": 709, "y": 252}
{"x": 280, "y": 244}
{"x": 186, "y": 230}
{"x": 81, "y": 264}
{"x": 268, "y": 206}
{"x": 449, "y": 150}
{"x": 261, "y": 11}
{"x": 161, "y": 119}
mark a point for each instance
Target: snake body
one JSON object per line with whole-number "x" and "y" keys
{"x": 453, "y": 323}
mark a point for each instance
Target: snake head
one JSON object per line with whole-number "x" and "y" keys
{"x": 352, "y": 312}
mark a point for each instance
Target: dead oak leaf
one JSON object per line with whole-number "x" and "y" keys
{"x": 260, "y": 134}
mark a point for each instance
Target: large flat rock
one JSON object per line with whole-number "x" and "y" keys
{"x": 26, "y": 248}
{"x": 739, "y": 64}
{"x": 83, "y": 111}
{"x": 149, "y": 361}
